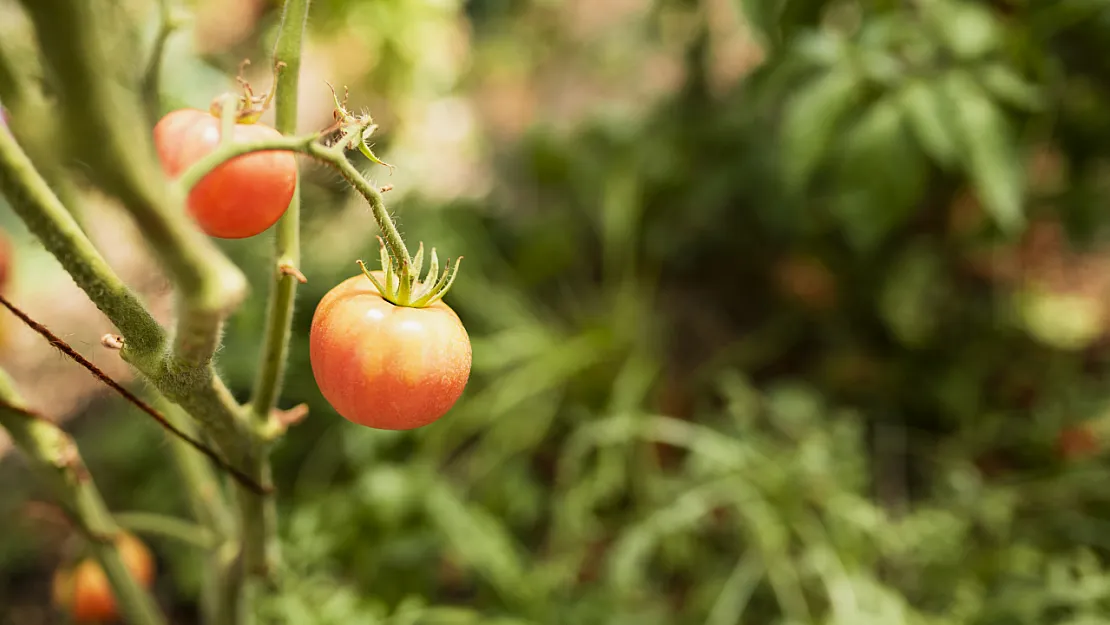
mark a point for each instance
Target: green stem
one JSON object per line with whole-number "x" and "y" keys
{"x": 197, "y": 390}
{"x": 168, "y": 527}
{"x": 99, "y": 107}
{"x": 54, "y": 454}
{"x": 31, "y": 198}
{"x": 152, "y": 76}
{"x": 283, "y": 293}
{"x": 210, "y": 509}
{"x": 306, "y": 145}
{"x": 275, "y": 349}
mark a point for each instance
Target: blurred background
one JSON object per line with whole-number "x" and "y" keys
{"x": 783, "y": 312}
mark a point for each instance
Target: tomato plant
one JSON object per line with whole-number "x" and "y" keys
{"x": 243, "y": 196}
{"x": 384, "y": 365}
{"x": 84, "y": 591}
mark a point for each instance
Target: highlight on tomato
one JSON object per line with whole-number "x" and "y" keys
{"x": 84, "y": 592}
{"x": 242, "y": 197}
{"x": 386, "y": 351}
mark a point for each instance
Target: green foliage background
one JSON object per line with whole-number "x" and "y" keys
{"x": 780, "y": 349}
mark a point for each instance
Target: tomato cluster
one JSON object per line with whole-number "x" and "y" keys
{"x": 379, "y": 361}
{"x": 84, "y": 592}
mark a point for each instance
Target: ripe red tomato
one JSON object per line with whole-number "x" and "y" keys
{"x": 385, "y": 366}
{"x": 244, "y": 196}
{"x": 84, "y": 591}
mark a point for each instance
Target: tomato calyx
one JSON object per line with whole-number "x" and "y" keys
{"x": 402, "y": 286}
{"x": 353, "y": 129}
{"x": 249, "y": 107}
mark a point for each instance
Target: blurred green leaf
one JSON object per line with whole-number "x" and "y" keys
{"x": 880, "y": 176}
{"x": 764, "y": 16}
{"x": 968, "y": 29}
{"x": 1010, "y": 87}
{"x": 991, "y": 157}
{"x": 932, "y": 124}
{"x": 810, "y": 122}
{"x": 912, "y": 294}
{"x": 481, "y": 540}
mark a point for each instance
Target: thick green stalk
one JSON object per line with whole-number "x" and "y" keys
{"x": 100, "y": 109}
{"x": 199, "y": 391}
{"x": 55, "y": 456}
{"x": 287, "y": 251}
{"x": 32, "y": 199}
{"x": 210, "y": 509}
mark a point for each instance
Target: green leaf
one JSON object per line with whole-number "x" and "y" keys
{"x": 968, "y": 30}
{"x": 1008, "y": 85}
{"x": 910, "y": 295}
{"x": 763, "y": 17}
{"x": 480, "y": 539}
{"x": 932, "y": 124}
{"x": 811, "y": 119}
{"x": 880, "y": 176}
{"x": 990, "y": 155}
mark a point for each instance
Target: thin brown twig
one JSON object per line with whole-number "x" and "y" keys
{"x": 65, "y": 348}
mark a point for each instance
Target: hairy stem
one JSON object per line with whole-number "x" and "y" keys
{"x": 309, "y": 146}
{"x": 32, "y": 199}
{"x": 55, "y": 456}
{"x": 99, "y": 107}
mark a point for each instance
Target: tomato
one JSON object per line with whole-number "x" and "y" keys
{"x": 240, "y": 198}
{"x": 85, "y": 592}
{"x": 5, "y": 261}
{"x": 1077, "y": 441}
{"x": 385, "y": 366}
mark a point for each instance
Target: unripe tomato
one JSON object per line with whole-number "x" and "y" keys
{"x": 240, "y": 198}
{"x": 84, "y": 591}
{"x": 385, "y": 366}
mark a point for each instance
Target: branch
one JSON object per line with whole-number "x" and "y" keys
{"x": 99, "y": 108}
{"x": 168, "y": 527}
{"x": 260, "y": 542}
{"x": 152, "y": 76}
{"x": 200, "y": 392}
{"x": 309, "y": 146}
{"x": 66, "y": 349}
{"x": 31, "y": 198}
{"x": 54, "y": 454}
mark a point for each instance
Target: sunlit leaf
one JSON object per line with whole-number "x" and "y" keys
{"x": 969, "y": 30}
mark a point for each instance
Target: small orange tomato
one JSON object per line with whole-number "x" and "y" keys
{"x": 240, "y": 198}
{"x": 385, "y": 366}
{"x": 85, "y": 592}
{"x": 1077, "y": 441}
{"x": 5, "y": 260}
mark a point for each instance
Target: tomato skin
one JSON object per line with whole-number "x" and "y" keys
{"x": 384, "y": 366}
{"x": 242, "y": 197}
{"x": 85, "y": 592}
{"x": 5, "y": 261}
